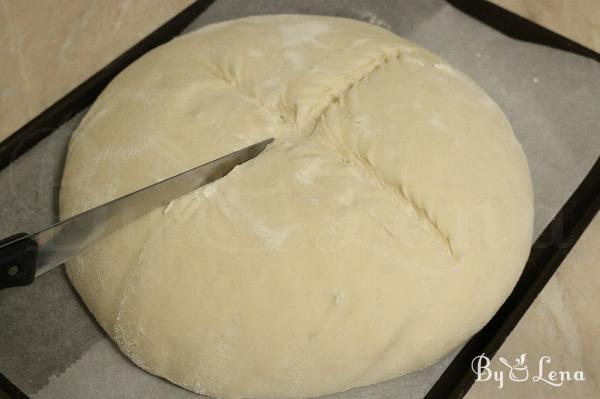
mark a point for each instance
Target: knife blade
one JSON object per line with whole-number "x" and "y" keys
{"x": 24, "y": 256}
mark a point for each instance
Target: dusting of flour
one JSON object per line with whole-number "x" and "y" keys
{"x": 233, "y": 208}
{"x": 301, "y": 33}
{"x": 372, "y": 18}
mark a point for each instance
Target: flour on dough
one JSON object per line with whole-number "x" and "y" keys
{"x": 384, "y": 226}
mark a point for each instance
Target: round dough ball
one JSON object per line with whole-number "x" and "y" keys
{"x": 384, "y": 226}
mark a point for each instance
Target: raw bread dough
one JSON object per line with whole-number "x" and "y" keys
{"x": 384, "y": 226}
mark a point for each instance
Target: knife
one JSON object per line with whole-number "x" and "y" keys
{"x": 26, "y": 256}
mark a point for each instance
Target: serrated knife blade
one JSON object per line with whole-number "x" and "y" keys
{"x": 25, "y": 256}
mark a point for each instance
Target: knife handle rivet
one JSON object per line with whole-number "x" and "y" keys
{"x": 18, "y": 260}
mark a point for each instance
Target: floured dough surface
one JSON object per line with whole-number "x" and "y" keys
{"x": 383, "y": 227}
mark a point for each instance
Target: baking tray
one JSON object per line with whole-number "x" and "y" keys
{"x": 450, "y": 377}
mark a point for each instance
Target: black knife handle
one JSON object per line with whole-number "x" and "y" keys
{"x": 17, "y": 261}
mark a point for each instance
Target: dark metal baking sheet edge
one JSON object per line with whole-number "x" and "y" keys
{"x": 8, "y": 390}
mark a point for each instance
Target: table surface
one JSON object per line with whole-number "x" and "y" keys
{"x": 578, "y": 20}
{"x": 55, "y": 348}
{"x": 49, "y": 47}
